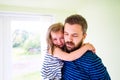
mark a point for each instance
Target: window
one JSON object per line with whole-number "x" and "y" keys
{"x": 23, "y": 42}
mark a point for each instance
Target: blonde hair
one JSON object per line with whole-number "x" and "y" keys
{"x": 53, "y": 28}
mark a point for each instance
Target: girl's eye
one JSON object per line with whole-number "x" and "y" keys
{"x": 54, "y": 39}
{"x": 62, "y": 38}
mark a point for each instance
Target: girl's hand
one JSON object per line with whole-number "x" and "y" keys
{"x": 89, "y": 46}
{"x": 56, "y": 49}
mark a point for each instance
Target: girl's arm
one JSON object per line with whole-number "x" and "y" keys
{"x": 73, "y": 55}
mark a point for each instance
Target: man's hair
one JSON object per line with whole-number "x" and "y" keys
{"x": 77, "y": 19}
{"x": 53, "y": 28}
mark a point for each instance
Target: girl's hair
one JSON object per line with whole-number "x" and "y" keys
{"x": 53, "y": 28}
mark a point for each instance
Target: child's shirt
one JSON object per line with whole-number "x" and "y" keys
{"x": 51, "y": 68}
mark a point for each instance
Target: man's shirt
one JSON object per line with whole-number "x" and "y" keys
{"x": 87, "y": 67}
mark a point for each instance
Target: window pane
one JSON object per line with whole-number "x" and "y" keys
{"x": 26, "y": 48}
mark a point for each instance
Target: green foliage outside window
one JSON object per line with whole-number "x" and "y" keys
{"x": 27, "y": 41}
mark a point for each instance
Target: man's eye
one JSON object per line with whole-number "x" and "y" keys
{"x": 75, "y": 35}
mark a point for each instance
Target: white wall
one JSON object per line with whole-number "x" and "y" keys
{"x": 104, "y": 32}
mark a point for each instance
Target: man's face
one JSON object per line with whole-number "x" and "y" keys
{"x": 58, "y": 38}
{"x": 73, "y": 36}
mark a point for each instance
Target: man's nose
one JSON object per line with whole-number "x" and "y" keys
{"x": 69, "y": 38}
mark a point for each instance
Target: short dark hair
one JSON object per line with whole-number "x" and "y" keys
{"x": 77, "y": 19}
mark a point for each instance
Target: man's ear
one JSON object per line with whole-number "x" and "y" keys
{"x": 84, "y": 36}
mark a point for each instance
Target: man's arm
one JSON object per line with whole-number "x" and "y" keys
{"x": 97, "y": 70}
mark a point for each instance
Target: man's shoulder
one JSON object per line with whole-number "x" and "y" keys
{"x": 89, "y": 56}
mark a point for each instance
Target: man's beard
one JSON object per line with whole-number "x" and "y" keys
{"x": 75, "y": 48}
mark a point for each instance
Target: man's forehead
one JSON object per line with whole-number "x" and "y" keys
{"x": 73, "y": 26}
{"x": 73, "y": 29}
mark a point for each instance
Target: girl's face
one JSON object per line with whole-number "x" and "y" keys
{"x": 58, "y": 38}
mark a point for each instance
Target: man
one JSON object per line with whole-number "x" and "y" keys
{"x": 87, "y": 67}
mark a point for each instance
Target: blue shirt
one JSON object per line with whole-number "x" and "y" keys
{"x": 87, "y": 67}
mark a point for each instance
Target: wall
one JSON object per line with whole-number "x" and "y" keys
{"x": 103, "y": 31}
{"x": 59, "y": 14}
